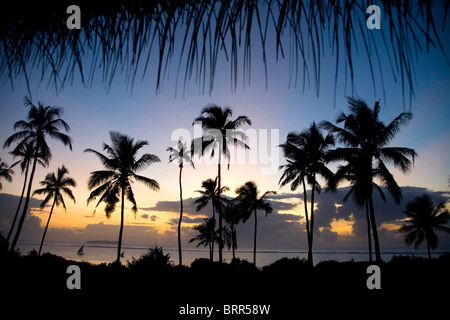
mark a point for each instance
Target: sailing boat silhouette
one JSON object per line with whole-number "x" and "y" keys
{"x": 80, "y": 251}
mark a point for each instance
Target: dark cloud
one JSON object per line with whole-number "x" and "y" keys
{"x": 186, "y": 220}
{"x": 281, "y": 206}
{"x": 174, "y": 206}
{"x": 147, "y": 216}
{"x": 192, "y": 220}
{"x": 31, "y": 230}
{"x": 283, "y": 196}
{"x": 276, "y": 231}
{"x": 386, "y": 212}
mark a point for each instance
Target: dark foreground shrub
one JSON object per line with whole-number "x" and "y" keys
{"x": 286, "y": 266}
{"x": 153, "y": 259}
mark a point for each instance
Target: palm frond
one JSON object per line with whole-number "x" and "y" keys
{"x": 399, "y": 156}
{"x": 151, "y": 183}
{"x": 130, "y": 196}
{"x": 388, "y": 180}
{"x": 144, "y": 161}
{"x": 101, "y": 176}
{"x": 211, "y": 31}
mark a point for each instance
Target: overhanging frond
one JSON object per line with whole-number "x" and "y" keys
{"x": 140, "y": 37}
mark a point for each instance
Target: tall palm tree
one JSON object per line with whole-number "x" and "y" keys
{"x": 207, "y": 235}
{"x": 6, "y": 172}
{"x": 354, "y": 172}
{"x": 423, "y": 218}
{"x": 306, "y": 154}
{"x": 210, "y": 193}
{"x": 181, "y": 154}
{"x": 250, "y": 203}
{"x": 232, "y": 215}
{"x": 365, "y": 138}
{"x": 54, "y": 187}
{"x": 114, "y": 183}
{"x": 42, "y": 121}
{"x": 219, "y": 131}
{"x": 26, "y": 153}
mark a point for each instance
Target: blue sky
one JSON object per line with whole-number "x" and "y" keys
{"x": 143, "y": 114}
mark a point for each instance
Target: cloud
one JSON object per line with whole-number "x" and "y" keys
{"x": 385, "y": 212}
{"x": 280, "y": 231}
{"x": 153, "y": 217}
{"x": 174, "y": 206}
{"x": 31, "y": 230}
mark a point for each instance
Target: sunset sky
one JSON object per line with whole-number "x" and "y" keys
{"x": 276, "y": 110}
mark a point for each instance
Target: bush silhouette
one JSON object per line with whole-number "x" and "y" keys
{"x": 153, "y": 259}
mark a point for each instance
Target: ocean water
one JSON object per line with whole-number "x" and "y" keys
{"x": 99, "y": 253}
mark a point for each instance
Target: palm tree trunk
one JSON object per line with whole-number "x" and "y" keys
{"x": 119, "y": 245}
{"x": 220, "y": 213}
{"x": 25, "y": 208}
{"x": 213, "y": 233}
{"x": 18, "y": 206}
{"x": 254, "y": 239}
{"x": 211, "y": 251}
{"x": 305, "y": 201}
{"x": 369, "y": 236}
{"x": 428, "y": 248}
{"x": 179, "y": 222}
{"x": 311, "y": 229}
{"x": 374, "y": 230}
{"x": 46, "y": 227}
{"x": 233, "y": 240}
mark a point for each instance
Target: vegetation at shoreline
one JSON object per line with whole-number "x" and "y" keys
{"x": 167, "y": 285}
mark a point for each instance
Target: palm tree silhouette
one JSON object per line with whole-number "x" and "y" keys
{"x": 207, "y": 235}
{"x": 6, "y": 172}
{"x": 211, "y": 193}
{"x": 250, "y": 202}
{"x": 26, "y": 154}
{"x": 219, "y": 131}
{"x": 54, "y": 187}
{"x": 181, "y": 154}
{"x": 232, "y": 215}
{"x": 354, "y": 172}
{"x": 365, "y": 138}
{"x": 121, "y": 164}
{"x": 306, "y": 155}
{"x": 423, "y": 218}
{"x": 41, "y": 121}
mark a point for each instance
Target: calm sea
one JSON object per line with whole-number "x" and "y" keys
{"x": 96, "y": 254}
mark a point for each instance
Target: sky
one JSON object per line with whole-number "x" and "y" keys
{"x": 162, "y": 117}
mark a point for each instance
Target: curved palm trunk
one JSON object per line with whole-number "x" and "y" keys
{"x": 305, "y": 201}
{"x": 46, "y": 227}
{"x": 369, "y": 236}
{"x": 119, "y": 245}
{"x": 25, "y": 208}
{"x": 18, "y": 206}
{"x": 254, "y": 239}
{"x": 374, "y": 230}
{"x": 179, "y": 222}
